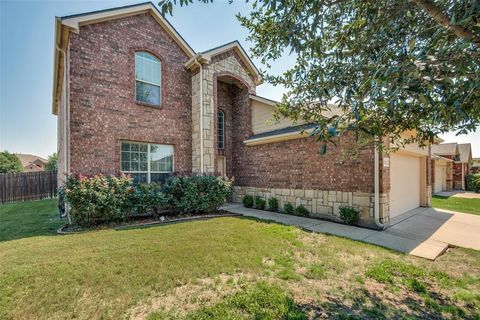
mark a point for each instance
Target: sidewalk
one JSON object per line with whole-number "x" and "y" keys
{"x": 393, "y": 238}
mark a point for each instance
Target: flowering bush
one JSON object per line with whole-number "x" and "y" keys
{"x": 98, "y": 199}
{"x": 196, "y": 194}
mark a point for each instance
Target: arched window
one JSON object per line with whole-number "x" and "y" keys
{"x": 148, "y": 72}
{"x": 221, "y": 129}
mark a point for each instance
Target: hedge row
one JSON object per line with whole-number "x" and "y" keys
{"x": 105, "y": 199}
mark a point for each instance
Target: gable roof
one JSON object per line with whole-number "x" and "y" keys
{"x": 73, "y": 23}
{"x": 465, "y": 150}
{"x": 27, "y": 159}
{"x": 445, "y": 149}
{"x": 206, "y": 56}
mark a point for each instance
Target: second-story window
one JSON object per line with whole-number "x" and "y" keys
{"x": 221, "y": 129}
{"x": 148, "y": 72}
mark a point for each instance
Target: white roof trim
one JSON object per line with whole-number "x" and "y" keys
{"x": 263, "y": 100}
{"x": 76, "y": 21}
{"x": 278, "y": 137}
{"x": 235, "y": 45}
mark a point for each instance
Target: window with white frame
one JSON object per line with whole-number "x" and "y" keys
{"x": 148, "y": 71}
{"x": 147, "y": 162}
{"x": 221, "y": 129}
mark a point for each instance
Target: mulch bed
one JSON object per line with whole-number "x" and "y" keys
{"x": 145, "y": 220}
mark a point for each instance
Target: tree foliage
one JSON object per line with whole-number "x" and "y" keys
{"x": 10, "y": 163}
{"x": 390, "y": 65}
{"x": 52, "y": 162}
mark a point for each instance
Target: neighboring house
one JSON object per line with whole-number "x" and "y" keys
{"x": 460, "y": 156}
{"x": 475, "y": 167}
{"x": 32, "y": 163}
{"x": 132, "y": 96}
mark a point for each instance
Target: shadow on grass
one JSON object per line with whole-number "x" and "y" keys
{"x": 29, "y": 219}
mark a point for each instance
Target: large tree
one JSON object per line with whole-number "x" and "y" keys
{"x": 390, "y": 65}
{"x": 52, "y": 162}
{"x": 9, "y": 163}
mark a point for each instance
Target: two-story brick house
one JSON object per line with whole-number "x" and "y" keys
{"x": 132, "y": 96}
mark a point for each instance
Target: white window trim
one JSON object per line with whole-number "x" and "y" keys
{"x": 148, "y": 159}
{"x": 223, "y": 130}
{"x": 159, "y": 85}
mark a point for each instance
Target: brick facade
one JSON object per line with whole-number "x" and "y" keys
{"x": 103, "y": 111}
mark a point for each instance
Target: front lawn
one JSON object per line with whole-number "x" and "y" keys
{"x": 227, "y": 268}
{"x": 457, "y": 204}
{"x": 27, "y": 219}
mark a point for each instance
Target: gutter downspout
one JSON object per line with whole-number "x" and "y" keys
{"x": 201, "y": 115}
{"x": 376, "y": 210}
{"x": 65, "y": 142}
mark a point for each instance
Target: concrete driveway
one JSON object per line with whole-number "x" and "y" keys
{"x": 423, "y": 232}
{"x": 459, "y": 194}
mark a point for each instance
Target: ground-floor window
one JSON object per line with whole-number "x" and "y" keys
{"x": 147, "y": 162}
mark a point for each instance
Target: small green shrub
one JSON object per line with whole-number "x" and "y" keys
{"x": 473, "y": 182}
{"x": 248, "y": 201}
{"x": 148, "y": 199}
{"x": 98, "y": 199}
{"x": 349, "y": 215}
{"x": 259, "y": 203}
{"x": 196, "y": 194}
{"x": 288, "y": 208}
{"x": 302, "y": 211}
{"x": 273, "y": 204}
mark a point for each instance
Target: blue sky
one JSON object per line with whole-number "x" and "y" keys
{"x": 26, "y": 57}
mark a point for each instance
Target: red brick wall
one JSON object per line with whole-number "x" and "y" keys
{"x": 103, "y": 107}
{"x": 296, "y": 163}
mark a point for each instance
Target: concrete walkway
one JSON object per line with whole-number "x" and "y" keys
{"x": 459, "y": 194}
{"x": 423, "y": 232}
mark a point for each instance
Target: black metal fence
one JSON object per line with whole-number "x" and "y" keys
{"x": 23, "y": 186}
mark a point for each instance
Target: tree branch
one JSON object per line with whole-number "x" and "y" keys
{"x": 431, "y": 8}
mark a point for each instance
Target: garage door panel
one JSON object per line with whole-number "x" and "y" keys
{"x": 440, "y": 176}
{"x": 404, "y": 183}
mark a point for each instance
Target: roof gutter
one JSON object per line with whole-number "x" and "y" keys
{"x": 376, "y": 208}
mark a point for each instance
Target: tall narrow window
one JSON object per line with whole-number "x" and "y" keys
{"x": 221, "y": 129}
{"x": 147, "y": 78}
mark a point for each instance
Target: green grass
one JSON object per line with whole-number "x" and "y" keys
{"x": 457, "y": 204}
{"x": 226, "y": 268}
{"x": 29, "y": 219}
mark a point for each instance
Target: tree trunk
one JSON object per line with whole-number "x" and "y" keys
{"x": 431, "y": 8}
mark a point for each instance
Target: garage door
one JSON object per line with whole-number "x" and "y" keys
{"x": 404, "y": 183}
{"x": 440, "y": 172}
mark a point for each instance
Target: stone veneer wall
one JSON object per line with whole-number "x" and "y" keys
{"x": 224, "y": 64}
{"x": 321, "y": 203}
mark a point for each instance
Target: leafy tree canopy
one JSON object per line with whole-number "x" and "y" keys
{"x": 390, "y": 65}
{"x": 9, "y": 163}
{"x": 52, "y": 161}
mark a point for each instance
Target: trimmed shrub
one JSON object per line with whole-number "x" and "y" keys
{"x": 349, "y": 215}
{"x": 196, "y": 194}
{"x": 473, "y": 182}
{"x": 288, "y": 208}
{"x": 273, "y": 204}
{"x": 248, "y": 201}
{"x": 147, "y": 199}
{"x": 301, "y": 210}
{"x": 98, "y": 199}
{"x": 259, "y": 203}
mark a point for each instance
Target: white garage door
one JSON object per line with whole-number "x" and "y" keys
{"x": 404, "y": 183}
{"x": 440, "y": 172}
